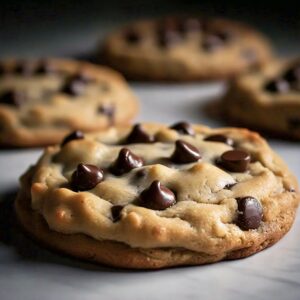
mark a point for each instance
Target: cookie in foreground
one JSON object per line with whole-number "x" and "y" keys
{"x": 184, "y": 48}
{"x": 42, "y": 100}
{"x": 267, "y": 100}
{"x": 153, "y": 196}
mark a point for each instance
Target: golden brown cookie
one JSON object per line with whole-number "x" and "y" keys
{"x": 42, "y": 100}
{"x": 267, "y": 100}
{"x": 153, "y": 196}
{"x": 184, "y": 49}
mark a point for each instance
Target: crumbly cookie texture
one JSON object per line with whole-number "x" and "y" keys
{"x": 184, "y": 49}
{"x": 42, "y": 100}
{"x": 154, "y": 196}
{"x": 268, "y": 100}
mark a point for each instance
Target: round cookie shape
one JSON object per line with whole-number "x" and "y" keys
{"x": 155, "y": 212}
{"x": 184, "y": 48}
{"x": 267, "y": 100}
{"x": 41, "y": 101}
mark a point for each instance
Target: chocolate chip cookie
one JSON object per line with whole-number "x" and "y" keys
{"x": 42, "y": 100}
{"x": 268, "y": 100}
{"x": 153, "y": 196}
{"x": 184, "y": 49}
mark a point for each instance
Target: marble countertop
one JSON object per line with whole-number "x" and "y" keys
{"x": 29, "y": 272}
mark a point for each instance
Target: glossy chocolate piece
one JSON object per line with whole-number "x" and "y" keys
{"x": 125, "y": 162}
{"x": 235, "y": 160}
{"x": 157, "y": 197}
{"x": 75, "y": 135}
{"x": 139, "y": 135}
{"x": 183, "y": 128}
{"x": 250, "y": 213}
{"x": 185, "y": 153}
{"x": 86, "y": 177}
{"x": 220, "y": 138}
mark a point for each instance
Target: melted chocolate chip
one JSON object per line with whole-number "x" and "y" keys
{"x": 76, "y": 85}
{"x": 183, "y": 128}
{"x": 219, "y": 138}
{"x": 185, "y": 153}
{"x": 116, "y": 212}
{"x": 293, "y": 74}
{"x": 86, "y": 177}
{"x": 157, "y": 197}
{"x": 139, "y": 135}
{"x": 76, "y": 135}
{"x": 132, "y": 36}
{"x": 212, "y": 42}
{"x": 277, "y": 86}
{"x": 250, "y": 213}
{"x": 125, "y": 162}
{"x": 13, "y": 97}
{"x": 235, "y": 160}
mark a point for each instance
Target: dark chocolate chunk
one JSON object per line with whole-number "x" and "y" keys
{"x": 183, "y": 128}
{"x": 185, "y": 153}
{"x": 212, "y": 42}
{"x": 235, "y": 160}
{"x": 293, "y": 74}
{"x": 13, "y": 97}
{"x": 116, "y": 212}
{"x": 86, "y": 177}
{"x": 75, "y": 135}
{"x": 125, "y": 162}
{"x": 250, "y": 213}
{"x": 132, "y": 36}
{"x": 139, "y": 135}
{"x": 219, "y": 138}
{"x": 277, "y": 86}
{"x": 157, "y": 197}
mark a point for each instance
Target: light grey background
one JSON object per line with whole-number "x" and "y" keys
{"x": 29, "y": 272}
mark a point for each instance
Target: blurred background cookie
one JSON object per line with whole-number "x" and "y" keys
{"x": 184, "y": 48}
{"x": 42, "y": 100}
{"x": 267, "y": 100}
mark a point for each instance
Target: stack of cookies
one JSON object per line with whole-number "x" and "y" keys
{"x": 149, "y": 195}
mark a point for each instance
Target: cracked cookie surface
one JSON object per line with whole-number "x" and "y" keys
{"x": 42, "y": 100}
{"x": 153, "y": 196}
{"x": 184, "y": 48}
{"x": 267, "y": 100}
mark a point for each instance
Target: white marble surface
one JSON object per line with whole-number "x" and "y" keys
{"x": 29, "y": 272}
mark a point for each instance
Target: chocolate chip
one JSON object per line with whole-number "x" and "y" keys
{"x": 76, "y": 135}
{"x": 116, "y": 212}
{"x": 45, "y": 68}
{"x": 86, "y": 177}
{"x": 293, "y": 74}
{"x": 125, "y": 162}
{"x": 24, "y": 68}
{"x": 277, "y": 86}
{"x": 250, "y": 213}
{"x": 139, "y": 135}
{"x": 219, "y": 138}
{"x": 235, "y": 160}
{"x": 76, "y": 85}
{"x": 294, "y": 123}
{"x": 109, "y": 111}
{"x": 229, "y": 186}
{"x": 183, "y": 128}
{"x": 212, "y": 42}
{"x": 168, "y": 38}
{"x": 157, "y": 197}
{"x": 13, "y": 97}
{"x": 185, "y": 153}
{"x": 132, "y": 36}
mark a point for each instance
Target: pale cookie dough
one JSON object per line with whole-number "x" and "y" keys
{"x": 268, "y": 100}
{"x": 184, "y": 49}
{"x": 42, "y": 100}
{"x": 157, "y": 196}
